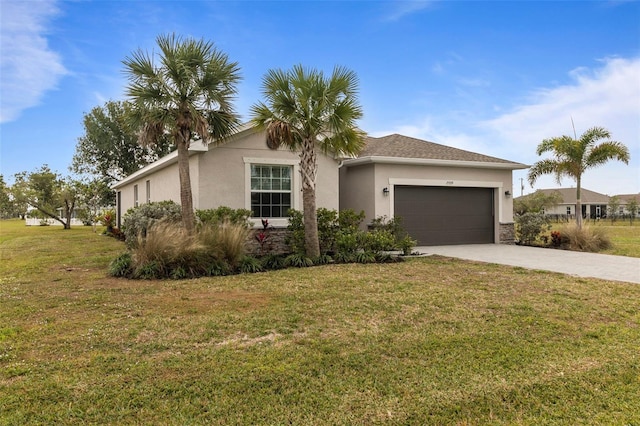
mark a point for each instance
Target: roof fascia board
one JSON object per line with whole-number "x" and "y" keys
{"x": 433, "y": 162}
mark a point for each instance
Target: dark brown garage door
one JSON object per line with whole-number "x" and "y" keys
{"x": 436, "y": 215}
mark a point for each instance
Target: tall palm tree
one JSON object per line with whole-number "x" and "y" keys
{"x": 306, "y": 111}
{"x": 573, "y": 156}
{"x": 187, "y": 94}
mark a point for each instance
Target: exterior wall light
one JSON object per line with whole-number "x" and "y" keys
{"x": 385, "y": 191}
{"x": 507, "y": 193}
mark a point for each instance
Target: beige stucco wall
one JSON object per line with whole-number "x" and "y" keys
{"x": 220, "y": 176}
{"x": 357, "y": 184}
{"x": 368, "y": 181}
{"x": 164, "y": 185}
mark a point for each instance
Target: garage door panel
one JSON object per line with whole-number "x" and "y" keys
{"x": 445, "y": 215}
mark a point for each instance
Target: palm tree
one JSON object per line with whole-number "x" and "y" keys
{"x": 188, "y": 95}
{"x": 573, "y": 156}
{"x": 306, "y": 111}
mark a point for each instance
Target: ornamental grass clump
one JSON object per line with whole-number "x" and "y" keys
{"x": 584, "y": 239}
{"x": 225, "y": 241}
{"x": 167, "y": 250}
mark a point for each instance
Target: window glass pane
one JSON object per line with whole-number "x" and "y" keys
{"x": 286, "y": 184}
{"x": 255, "y": 183}
{"x": 270, "y": 190}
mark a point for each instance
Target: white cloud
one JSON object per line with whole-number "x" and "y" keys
{"x": 608, "y": 96}
{"x": 29, "y": 67}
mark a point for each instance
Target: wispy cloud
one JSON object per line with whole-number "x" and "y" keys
{"x": 606, "y": 96}
{"x": 29, "y": 67}
{"x": 402, "y": 8}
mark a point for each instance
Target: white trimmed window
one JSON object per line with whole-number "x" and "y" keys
{"x": 148, "y": 184}
{"x": 135, "y": 195}
{"x": 271, "y": 190}
{"x": 272, "y": 187}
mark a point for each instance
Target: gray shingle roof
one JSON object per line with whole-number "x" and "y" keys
{"x": 586, "y": 196}
{"x": 407, "y": 147}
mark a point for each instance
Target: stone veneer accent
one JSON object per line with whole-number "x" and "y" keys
{"x": 507, "y": 233}
{"x": 274, "y": 243}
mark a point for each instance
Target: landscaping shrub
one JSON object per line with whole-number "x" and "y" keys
{"x": 121, "y": 266}
{"x": 139, "y": 219}
{"x": 377, "y": 241}
{"x": 349, "y": 221}
{"x": 250, "y": 265}
{"x": 323, "y": 259}
{"x": 529, "y": 226}
{"x": 298, "y": 260}
{"x": 224, "y": 215}
{"x": 327, "y": 229}
{"x": 347, "y": 245}
{"x": 295, "y": 239}
{"x": 401, "y": 239}
{"x": 273, "y": 262}
{"x": 331, "y": 225}
{"x": 584, "y": 239}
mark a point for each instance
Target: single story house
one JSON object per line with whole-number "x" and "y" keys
{"x": 594, "y": 204}
{"x": 625, "y": 199}
{"x": 444, "y": 195}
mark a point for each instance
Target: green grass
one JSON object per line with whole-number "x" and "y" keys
{"x": 428, "y": 341}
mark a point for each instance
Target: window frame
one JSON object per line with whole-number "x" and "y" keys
{"x": 294, "y": 191}
{"x": 135, "y": 196}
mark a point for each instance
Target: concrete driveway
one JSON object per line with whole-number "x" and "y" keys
{"x": 603, "y": 266}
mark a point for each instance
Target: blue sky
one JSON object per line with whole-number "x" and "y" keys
{"x": 490, "y": 77}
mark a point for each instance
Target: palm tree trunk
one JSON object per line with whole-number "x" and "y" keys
{"x": 186, "y": 197}
{"x": 578, "y": 204}
{"x": 310, "y": 217}
{"x": 308, "y": 167}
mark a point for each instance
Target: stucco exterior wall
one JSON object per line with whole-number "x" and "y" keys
{"x": 362, "y": 187}
{"x": 388, "y": 175}
{"x": 164, "y": 185}
{"x": 356, "y": 189}
{"x": 221, "y": 176}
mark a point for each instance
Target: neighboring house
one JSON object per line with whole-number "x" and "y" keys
{"x": 594, "y": 204}
{"x": 444, "y": 195}
{"x": 625, "y": 199}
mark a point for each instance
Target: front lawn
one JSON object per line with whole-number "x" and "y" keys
{"x": 428, "y": 341}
